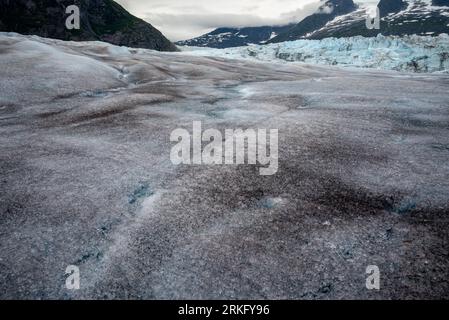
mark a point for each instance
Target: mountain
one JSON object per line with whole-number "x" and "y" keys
{"x": 103, "y": 20}
{"x": 340, "y": 18}
{"x": 398, "y": 17}
{"x": 235, "y": 37}
{"x": 328, "y": 11}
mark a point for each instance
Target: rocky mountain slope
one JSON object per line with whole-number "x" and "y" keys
{"x": 398, "y": 17}
{"x": 103, "y": 20}
{"x": 440, "y": 2}
{"x": 235, "y": 37}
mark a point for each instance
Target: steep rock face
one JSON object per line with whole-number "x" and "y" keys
{"x": 387, "y": 7}
{"x": 440, "y": 3}
{"x": 103, "y": 20}
{"x": 328, "y": 11}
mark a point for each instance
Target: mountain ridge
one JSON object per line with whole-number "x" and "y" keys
{"x": 398, "y": 18}
{"x": 344, "y": 18}
{"x": 235, "y": 37}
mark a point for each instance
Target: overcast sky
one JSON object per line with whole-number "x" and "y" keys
{"x": 185, "y": 19}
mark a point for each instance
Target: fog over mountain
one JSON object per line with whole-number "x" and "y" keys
{"x": 337, "y": 19}
{"x": 186, "y": 19}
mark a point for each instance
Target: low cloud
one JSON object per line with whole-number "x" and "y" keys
{"x": 185, "y": 19}
{"x": 185, "y": 26}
